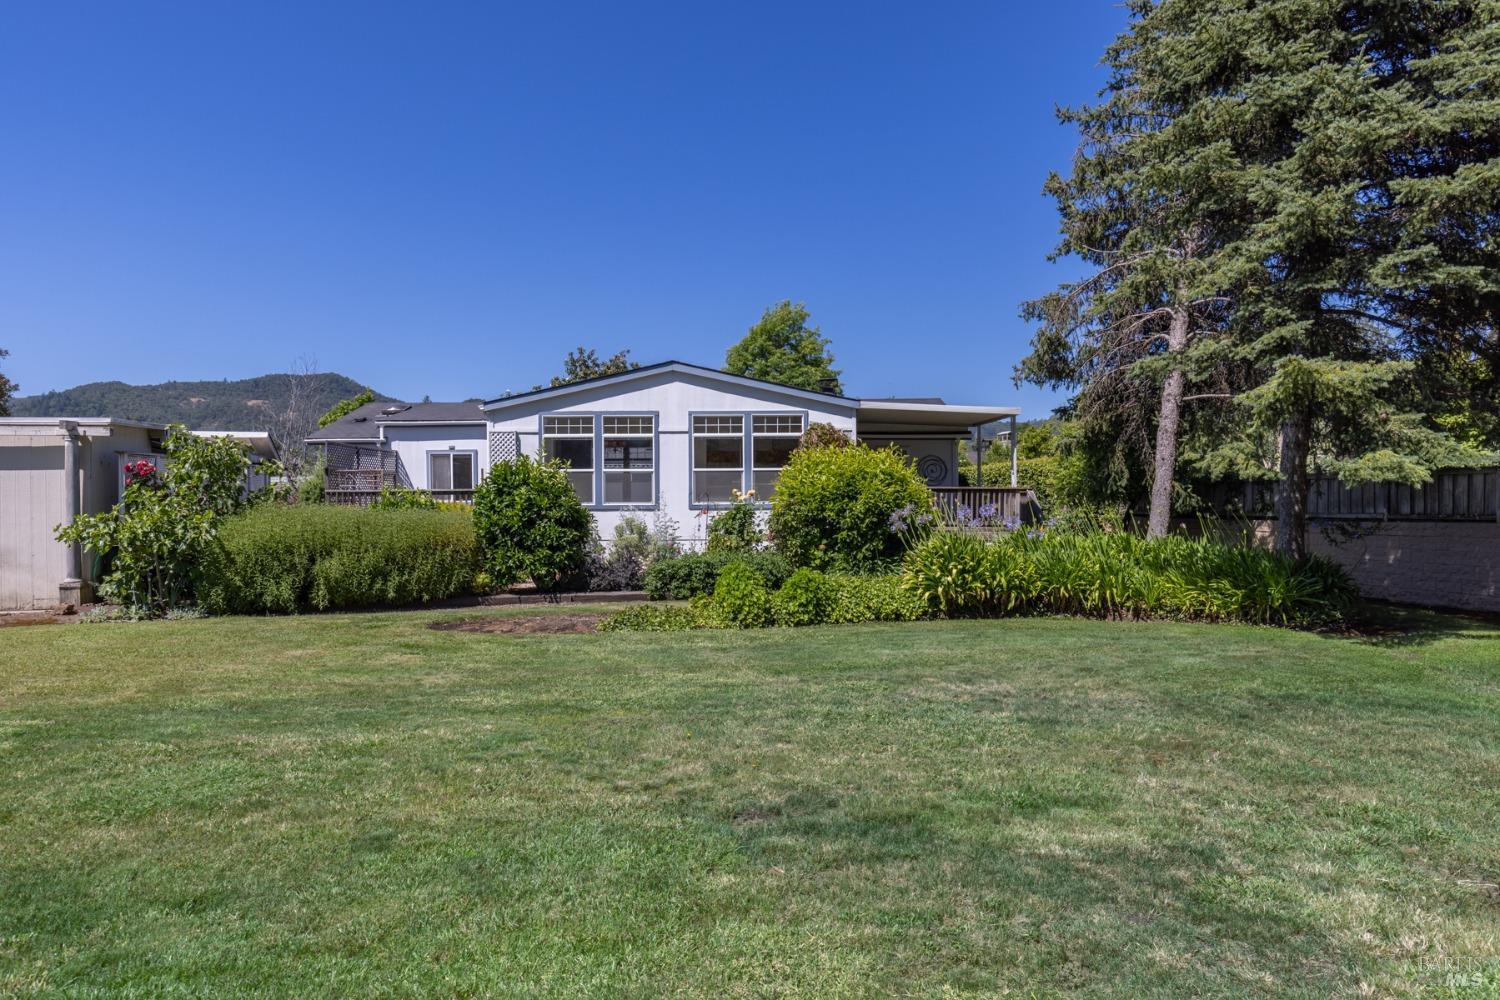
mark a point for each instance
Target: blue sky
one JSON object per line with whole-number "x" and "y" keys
{"x": 444, "y": 198}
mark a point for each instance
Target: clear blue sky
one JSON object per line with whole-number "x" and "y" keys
{"x": 444, "y": 198}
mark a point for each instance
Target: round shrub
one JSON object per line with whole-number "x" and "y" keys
{"x": 530, "y": 524}
{"x": 833, "y": 507}
{"x": 741, "y": 597}
{"x": 734, "y": 529}
{"x": 805, "y": 599}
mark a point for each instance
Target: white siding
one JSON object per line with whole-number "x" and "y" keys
{"x": 413, "y": 443}
{"x": 936, "y": 459}
{"x": 674, "y": 397}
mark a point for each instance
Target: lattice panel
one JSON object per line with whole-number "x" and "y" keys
{"x": 505, "y": 446}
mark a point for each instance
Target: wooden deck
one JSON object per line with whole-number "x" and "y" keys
{"x": 1011, "y": 503}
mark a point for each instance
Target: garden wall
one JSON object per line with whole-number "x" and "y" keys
{"x": 1444, "y": 564}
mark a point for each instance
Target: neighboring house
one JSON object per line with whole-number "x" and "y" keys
{"x": 39, "y": 457}
{"x": 670, "y": 439}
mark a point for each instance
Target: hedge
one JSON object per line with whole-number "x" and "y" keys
{"x": 688, "y": 576}
{"x": 282, "y": 560}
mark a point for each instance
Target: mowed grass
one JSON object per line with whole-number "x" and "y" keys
{"x": 362, "y": 806}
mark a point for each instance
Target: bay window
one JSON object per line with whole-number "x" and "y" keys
{"x": 630, "y": 460}
{"x": 570, "y": 440}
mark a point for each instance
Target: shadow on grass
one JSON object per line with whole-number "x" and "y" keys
{"x": 1394, "y": 625}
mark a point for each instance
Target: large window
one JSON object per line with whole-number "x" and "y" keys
{"x": 718, "y": 457}
{"x": 630, "y": 460}
{"x": 773, "y": 437}
{"x": 571, "y": 440}
{"x": 450, "y": 474}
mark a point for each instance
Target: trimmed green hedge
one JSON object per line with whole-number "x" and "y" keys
{"x": 282, "y": 560}
{"x": 741, "y": 600}
{"x": 685, "y": 577}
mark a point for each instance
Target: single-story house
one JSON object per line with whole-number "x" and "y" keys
{"x": 39, "y": 458}
{"x": 669, "y": 440}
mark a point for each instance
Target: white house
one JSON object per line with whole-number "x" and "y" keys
{"x": 51, "y": 470}
{"x": 670, "y": 439}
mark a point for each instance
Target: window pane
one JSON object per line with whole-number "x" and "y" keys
{"x": 718, "y": 425}
{"x": 772, "y": 452}
{"x": 577, "y": 452}
{"x": 440, "y": 475}
{"x": 463, "y": 472}
{"x": 628, "y": 425}
{"x": 765, "y": 484}
{"x": 583, "y": 485}
{"x": 629, "y": 487}
{"x": 781, "y": 423}
{"x": 718, "y": 452}
{"x": 568, "y": 425}
{"x": 715, "y": 487}
{"x": 627, "y": 453}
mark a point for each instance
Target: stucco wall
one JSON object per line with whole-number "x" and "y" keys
{"x": 1446, "y": 564}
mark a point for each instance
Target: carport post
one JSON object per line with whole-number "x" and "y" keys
{"x": 71, "y": 590}
{"x": 1013, "y": 452}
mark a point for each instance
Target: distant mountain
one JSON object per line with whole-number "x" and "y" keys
{"x": 243, "y": 405}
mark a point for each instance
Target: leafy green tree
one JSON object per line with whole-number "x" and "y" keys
{"x": 530, "y": 524}
{"x": 7, "y": 388}
{"x": 584, "y": 363}
{"x": 343, "y": 408}
{"x": 783, "y": 348}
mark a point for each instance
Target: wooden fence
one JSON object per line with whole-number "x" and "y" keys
{"x": 1011, "y": 503}
{"x": 1452, "y": 495}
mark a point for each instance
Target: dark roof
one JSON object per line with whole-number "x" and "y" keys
{"x": 653, "y": 367}
{"x": 361, "y": 423}
{"x": 935, "y": 400}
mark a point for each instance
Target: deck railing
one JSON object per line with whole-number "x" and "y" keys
{"x": 1011, "y": 503}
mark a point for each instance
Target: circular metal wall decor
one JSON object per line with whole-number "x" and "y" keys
{"x": 932, "y": 469}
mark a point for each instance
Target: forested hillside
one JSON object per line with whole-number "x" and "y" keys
{"x": 243, "y": 404}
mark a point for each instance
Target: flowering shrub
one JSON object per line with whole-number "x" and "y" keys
{"x": 833, "y": 507}
{"x": 153, "y": 538}
{"x": 735, "y": 529}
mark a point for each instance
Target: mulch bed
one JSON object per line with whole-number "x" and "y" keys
{"x": 523, "y": 624}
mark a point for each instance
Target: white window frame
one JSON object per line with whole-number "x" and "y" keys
{"x": 755, "y": 418}
{"x": 693, "y": 435}
{"x": 452, "y": 492}
{"x": 576, "y": 432}
{"x": 633, "y": 432}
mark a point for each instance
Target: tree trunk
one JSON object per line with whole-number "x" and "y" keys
{"x": 1291, "y": 496}
{"x": 1164, "y": 462}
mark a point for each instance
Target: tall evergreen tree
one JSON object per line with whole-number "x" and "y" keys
{"x": 1352, "y": 150}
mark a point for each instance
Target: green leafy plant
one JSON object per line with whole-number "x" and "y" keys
{"x": 633, "y": 550}
{"x": 286, "y": 559}
{"x": 395, "y": 498}
{"x": 820, "y": 434}
{"x": 859, "y": 598}
{"x": 741, "y": 597}
{"x": 805, "y": 599}
{"x": 530, "y": 524}
{"x": 1122, "y": 575}
{"x": 154, "y": 537}
{"x": 735, "y": 529}
{"x": 834, "y": 507}
{"x": 687, "y": 576}
{"x": 654, "y": 618}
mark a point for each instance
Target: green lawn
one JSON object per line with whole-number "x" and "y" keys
{"x": 359, "y": 805}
